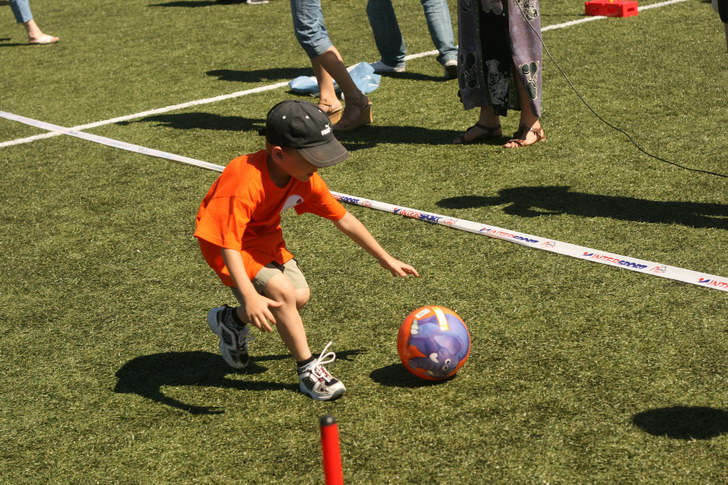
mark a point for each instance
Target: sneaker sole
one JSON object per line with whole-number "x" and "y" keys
{"x": 317, "y": 397}
{"x": 390, "y": 71}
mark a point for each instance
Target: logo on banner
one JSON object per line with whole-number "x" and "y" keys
{"x": 712, "y": 282}
{"x": 610, "y": 259}
{"x": 507, "y": 235}
{"x": 423, "y": 216}
{"x": 353, "y": 200}
{"x": 662, "y": 269}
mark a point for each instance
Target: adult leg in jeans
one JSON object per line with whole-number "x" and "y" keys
{"x": 23, "y": 15}
{"x": 387, "y": 35}
{"x": 439, "y": 24}
{"x": 328, "y": 66}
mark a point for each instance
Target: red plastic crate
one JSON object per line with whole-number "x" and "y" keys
{"x": 616, "y": 8}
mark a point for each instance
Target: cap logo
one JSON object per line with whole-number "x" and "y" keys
{"x": 326, "y": 130}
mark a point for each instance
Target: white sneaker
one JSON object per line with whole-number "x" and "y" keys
{"x": 233, "y": 340}
{"x": 316, "y": 382}
{"x": 382, "y": 68}
{"x": 451, "y": 69}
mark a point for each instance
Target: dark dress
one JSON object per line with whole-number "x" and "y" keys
{"x": 494, "y": 36}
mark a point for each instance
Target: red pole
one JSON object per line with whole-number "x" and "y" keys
{"x": 331, "y": 452}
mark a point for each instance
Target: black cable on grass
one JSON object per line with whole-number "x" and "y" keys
{"x": 629, "y": 137}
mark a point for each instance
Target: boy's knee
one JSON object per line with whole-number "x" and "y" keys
{"x": 280, "y": 289}
{"x": 302, "y": 297}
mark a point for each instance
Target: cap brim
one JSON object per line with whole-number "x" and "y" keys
{"x": 325, "y": 155}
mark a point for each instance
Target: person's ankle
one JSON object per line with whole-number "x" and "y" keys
{"x": 329, "y": 101}
{"x": 304, "y": 362}
{"x": 356, "y": 99}
{"x": 534, "y": 123}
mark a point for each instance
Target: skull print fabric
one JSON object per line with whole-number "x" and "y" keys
{"x": 499, "y": 39}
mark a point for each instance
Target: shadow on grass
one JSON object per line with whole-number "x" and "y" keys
{"x": 396, "y": 375}
{"x": 554, "y": 200}
{"x": 372, "y": 135}
{"x": 287, "y": 73}
{"x": 196, "y": 3}
{"x": 14, "y": 44}
{"x": 284, "y": 73}
{"x": 366, "y": 137}
{"x": 146, "y": 375}
{"x": 205, "y": 121}
{"x": 415, "y": 76}
{"x": 683, "y": 422}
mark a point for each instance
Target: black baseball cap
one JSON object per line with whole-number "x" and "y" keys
{"x": 303, "y": 126}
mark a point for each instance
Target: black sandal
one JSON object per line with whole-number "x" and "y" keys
{"x": 490, "y": 133}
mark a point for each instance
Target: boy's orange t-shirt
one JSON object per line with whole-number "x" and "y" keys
{"x": 242, "y": 210}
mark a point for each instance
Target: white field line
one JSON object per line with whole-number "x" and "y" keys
{"x": 270, "y": 87}
{"x": 150, "y": 112}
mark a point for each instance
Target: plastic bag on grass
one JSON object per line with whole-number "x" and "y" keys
{"x": 362, "y": 74}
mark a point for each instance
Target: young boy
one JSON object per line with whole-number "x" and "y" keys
{"x": 238, "y": 228}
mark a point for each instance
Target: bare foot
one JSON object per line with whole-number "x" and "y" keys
{"x": 43, "y": 39}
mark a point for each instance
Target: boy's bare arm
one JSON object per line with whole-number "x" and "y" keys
{"x": 256, "y": 305}
{"x": 352, "y": 227}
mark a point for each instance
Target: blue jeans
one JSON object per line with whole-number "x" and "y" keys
{"x": 388, "y": 36}
{"x": 308, "y": 25}
{"x": 21, "y": 10}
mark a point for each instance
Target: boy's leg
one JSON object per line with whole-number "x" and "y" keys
{"x": 285, "y": 284}
{"x": 289, "y": 287}
{"x": 288, "y": 320}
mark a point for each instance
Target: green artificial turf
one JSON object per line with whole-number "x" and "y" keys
{"x": 579, "y": 372}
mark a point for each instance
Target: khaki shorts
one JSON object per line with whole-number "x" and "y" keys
{"x": 290, "y": 270}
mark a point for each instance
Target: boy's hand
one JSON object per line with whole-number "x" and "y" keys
{"x": 257, "y": 311}
{"x": 352, "y": 227}
{"x": 398, "y": 268}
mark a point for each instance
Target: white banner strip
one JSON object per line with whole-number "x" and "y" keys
{"x": 551, "y": 245}
{"x": 536, "y": 242}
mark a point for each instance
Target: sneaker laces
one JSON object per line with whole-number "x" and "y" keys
{"x": 317, "y": 365}
{"x": 243, "y": 338}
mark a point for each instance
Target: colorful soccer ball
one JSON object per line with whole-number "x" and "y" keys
{"x": 433, "y": 343}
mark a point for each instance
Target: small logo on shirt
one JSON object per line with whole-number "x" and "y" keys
{"x": 291, "y": 201}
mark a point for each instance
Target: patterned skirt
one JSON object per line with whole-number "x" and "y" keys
{"x": 499, "y": 39}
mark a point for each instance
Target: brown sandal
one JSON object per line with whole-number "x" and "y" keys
{"x": 519, "y": 137}
{"x": 334, "y": 114}
{"x": 355, "y": 115}
{"x": 490, "y": 133}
